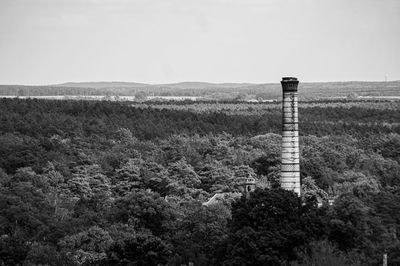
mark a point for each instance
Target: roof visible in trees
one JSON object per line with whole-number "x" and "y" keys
{"x": 222, "y": 196}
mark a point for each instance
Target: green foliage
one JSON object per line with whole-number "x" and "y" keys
{"x": 201, "y": 230}
{"x": 44, "y": 254}
{"x": 310, "y": 191}
{"x": 143, "y": 209}
{"x": 357, "y": 226}
{"x": 87, "y": 247}
{"x": 106, "y": 183}
{"x": 88, "y": 182}
{"x": 216, "y": 177}
{"x": 13, "y": 250}
{"x": 140, "y": 249}
{"x": 267, "y": 228}
{"x": 323, "y": 253}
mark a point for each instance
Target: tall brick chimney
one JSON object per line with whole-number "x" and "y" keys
{"x": 290, "y": 170}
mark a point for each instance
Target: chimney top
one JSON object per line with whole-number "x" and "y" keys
{"x": 289, "y": 84}
{"x": 289, "y": 79}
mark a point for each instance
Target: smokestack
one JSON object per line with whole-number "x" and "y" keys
{"x": 290, "y": 170}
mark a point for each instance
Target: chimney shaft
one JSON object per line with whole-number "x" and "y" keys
{"x": 290, "y": 170}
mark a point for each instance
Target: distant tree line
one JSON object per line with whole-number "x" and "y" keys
{"x": 307, "y": 91}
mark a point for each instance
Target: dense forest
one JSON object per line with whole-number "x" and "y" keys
{"x": 111, "y": 183}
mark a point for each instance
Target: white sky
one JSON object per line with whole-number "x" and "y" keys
{"x": 162, "y": 41}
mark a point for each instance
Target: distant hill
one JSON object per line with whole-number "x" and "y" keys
{"x": 203, "y": 85}
{"x": 179, "y": 85}
{"x": 101, "y": 84}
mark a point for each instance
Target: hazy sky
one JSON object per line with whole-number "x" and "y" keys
{"x": 161, "y": 41}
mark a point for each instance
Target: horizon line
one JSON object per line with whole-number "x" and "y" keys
{"x": 178, "y": 82}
